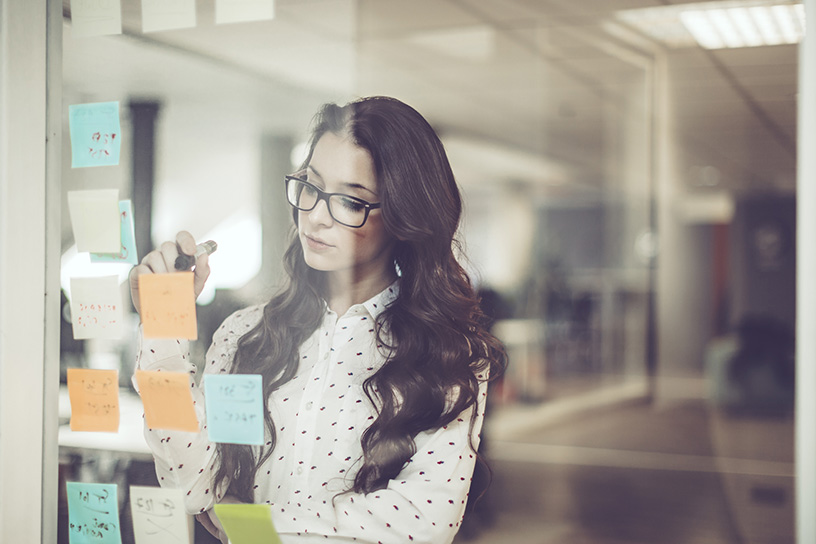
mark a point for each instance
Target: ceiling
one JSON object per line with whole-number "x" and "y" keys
{"x": 517, "y": 88}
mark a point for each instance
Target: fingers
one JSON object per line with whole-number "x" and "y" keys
{"x": 186, "y": 242}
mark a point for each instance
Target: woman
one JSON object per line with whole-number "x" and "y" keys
{"x": 374, "y": 357}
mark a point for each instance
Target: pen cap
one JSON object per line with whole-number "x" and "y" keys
{"x": 207, "y": 247}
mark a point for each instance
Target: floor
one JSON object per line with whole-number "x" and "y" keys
{"x": 640, "y": 474}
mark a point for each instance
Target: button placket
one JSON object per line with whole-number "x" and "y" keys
{"x": 314, "y": 388}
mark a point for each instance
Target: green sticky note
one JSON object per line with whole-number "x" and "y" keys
{"x": 247, "y": 523}
{"x": 93, "y": 513}
{"x": 96, "y": 136}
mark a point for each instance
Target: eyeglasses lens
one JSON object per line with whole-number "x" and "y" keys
{"x": 343, "y": 209}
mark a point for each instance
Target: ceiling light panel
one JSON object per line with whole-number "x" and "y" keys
{"x": 719, "y": 25}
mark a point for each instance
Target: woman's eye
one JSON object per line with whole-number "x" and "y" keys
{"x": 351, "y": 205}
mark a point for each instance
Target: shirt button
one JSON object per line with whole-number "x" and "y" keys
{"x": 309, "y": 405}
{"x": 326, "y": 356}
{"x": 299, "y": 470}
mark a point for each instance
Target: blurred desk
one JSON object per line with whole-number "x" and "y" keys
{"x": 127, "y": 442}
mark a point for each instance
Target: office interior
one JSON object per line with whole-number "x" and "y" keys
{"x": 630, "y": 220}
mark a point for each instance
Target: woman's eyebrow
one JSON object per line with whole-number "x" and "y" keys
{"x": 349, "y": 184}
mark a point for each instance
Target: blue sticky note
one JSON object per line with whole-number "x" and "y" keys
{"x": 93, "y": 514}
{"x": 95, "y": 134}
{"x": 234, "y": 408}
{"x": 128, "y": 252}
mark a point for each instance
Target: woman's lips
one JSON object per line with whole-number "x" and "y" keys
{"x": 316, "y": 243}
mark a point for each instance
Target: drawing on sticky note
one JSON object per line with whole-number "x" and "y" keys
{"x": 159, "y": 516}
{"x": 234, "y": 408}
{"x": 168, "y": 403}
{"x": 96, "y": 308}
{"x": 93, "y": 513}
{"x": 95, "y": 134}
{"x": 167, "y": 304}
{"x": 94, "y": 396}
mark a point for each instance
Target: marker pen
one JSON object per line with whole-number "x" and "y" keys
{"x": 184, "y": 261}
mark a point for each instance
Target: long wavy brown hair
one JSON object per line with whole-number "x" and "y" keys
{"x": 433, "y": 332}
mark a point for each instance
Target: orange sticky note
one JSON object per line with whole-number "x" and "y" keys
{"x": 168, "y": 403}
{"x": 94, "y": 398}
{"x": 168, "y": 305}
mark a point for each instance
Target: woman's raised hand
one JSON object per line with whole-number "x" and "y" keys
{"x": 163, "y": 261}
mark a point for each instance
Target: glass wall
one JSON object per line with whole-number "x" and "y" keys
{"x": 629, "y": 223}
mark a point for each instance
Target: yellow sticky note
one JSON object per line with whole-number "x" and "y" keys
{"x": 247, "y": 523}
{"x": 168, "y": 403}
{"x": 94, "y": 398}
{"x": 168, "y": 305}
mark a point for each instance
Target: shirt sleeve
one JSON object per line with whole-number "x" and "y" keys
{"x": 187, "y": 460}
{"x": 424, "y": 504}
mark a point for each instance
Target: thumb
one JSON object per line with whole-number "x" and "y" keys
{"x": 201, "y": 273}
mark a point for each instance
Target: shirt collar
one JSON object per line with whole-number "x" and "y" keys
{"x": 376, "y": 304}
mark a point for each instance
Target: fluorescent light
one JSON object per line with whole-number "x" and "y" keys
{"x": 765, "y": 23}
{"x": 785, "y": 18}
{"x": 701, "y": 28}
{"x": 721, "y": 20}
{"x": 721, "y": 24}
{"x": 746, "y": 27}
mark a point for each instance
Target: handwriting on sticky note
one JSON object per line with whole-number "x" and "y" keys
{"x": 159, "y": 516}
{"x": 94, "y": 396}
{"x": 168, "y": 403}
{"x": 127, "y": 251}
{"x": 93, "y": 514}
{"x": 95, "y": 134}
{"x": 234, "y": 408}
{"x": 95, "y": 220}
{"x": 247, "y": 523}
{"x": 96, "y": 307}
{"x": 168, "y": 305}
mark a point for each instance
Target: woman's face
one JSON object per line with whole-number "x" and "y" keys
{"x": 339, "y": 166}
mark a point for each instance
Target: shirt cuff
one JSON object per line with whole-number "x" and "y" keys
{"x": 172, "y": 355}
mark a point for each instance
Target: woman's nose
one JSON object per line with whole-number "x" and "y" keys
{"x": 319, "y": 215}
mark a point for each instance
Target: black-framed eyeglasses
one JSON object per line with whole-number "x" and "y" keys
{"x": 345, "y": 209}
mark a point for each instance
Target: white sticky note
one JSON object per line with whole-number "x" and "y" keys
{"x": 167, "y": 14}
{"x": 242, "y": 11}
{"x": 96, "y": 17}
{"x": 159, "y": 516}
{"x": 95, "y": 220}
{"x": 96, "y": 308}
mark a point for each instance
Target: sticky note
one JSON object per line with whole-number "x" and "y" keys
{"x": 94, "y": 396}
{"x": 93, "y": 514}
{"x": 96, "y": 137}
{"x": 96, "y": 308}
{"x": 240, "y": 11}
{"x": 95, "y": 220}
{"x": 95, "y": 17}
{"x": 247, "y": 523}
{"x": 127, "y": 240}
{"x": 159, "y": 516}
{"x": 168, "y": 403}
{"x": 234, "y": 408}
{"x": 168, "y": 305}
{"x": 167, "y": 14}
